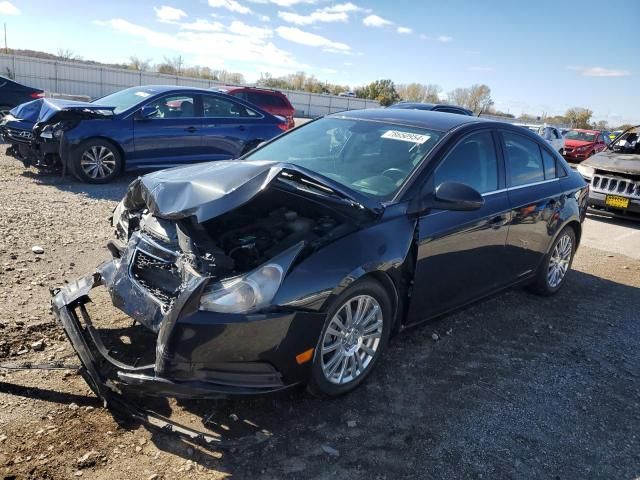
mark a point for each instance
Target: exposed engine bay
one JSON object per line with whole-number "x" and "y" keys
{"x": 244, "y": 238}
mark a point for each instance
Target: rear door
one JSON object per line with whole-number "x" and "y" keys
{"x": 535, "y": 198}
{"x": 460, "y": 255}
{"x": 172, "y": 136}
{"x": 228, "y": 127}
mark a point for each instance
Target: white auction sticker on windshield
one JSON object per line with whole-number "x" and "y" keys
{"x": 143, "y": 94}
{"x": 406, "y": 136}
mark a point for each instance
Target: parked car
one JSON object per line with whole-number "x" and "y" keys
{"x": 580, "y": 144}
{"x": 347, "y": 94}
{"x": 13, "y": 94}
{"x": 16, "y": 130}
{"x": 550, "y": 134}
{"x": 296, "y": 263}
{"x": 614, "y": 175}
{"x": 272, "y": 101}
{"x": 436, "y": 107}
{"x": 614, "y": 134}
{"x": 147, "y": 127}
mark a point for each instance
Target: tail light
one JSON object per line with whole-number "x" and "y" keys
{"x": 283, "y": 126}
{"x": 37, "y": 95}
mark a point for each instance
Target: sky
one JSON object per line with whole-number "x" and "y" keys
{"x": 538, "y": 57}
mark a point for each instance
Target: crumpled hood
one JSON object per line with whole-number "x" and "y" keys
{"x": 44, "y": 109}
{"x": 615, "y": 162}
{"x": 208, "y": 190}
{"x": 576, "y": 143}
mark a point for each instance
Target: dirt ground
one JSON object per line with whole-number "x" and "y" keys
{"x": 517, "y": 386}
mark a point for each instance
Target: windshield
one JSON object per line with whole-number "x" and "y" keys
{"x": 374, "y": 158}
{"x": 627, "y": 142}
{"x": 125, "y": 99}
{"x": 580, "y": 136}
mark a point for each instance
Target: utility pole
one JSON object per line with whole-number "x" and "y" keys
{"x": 6, "y": 49}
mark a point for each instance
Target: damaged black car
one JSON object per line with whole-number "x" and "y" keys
{"x": 297, "y": 263}
{"x": 614, "y": 177}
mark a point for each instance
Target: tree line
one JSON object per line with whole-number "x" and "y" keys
{"x": 476, "y": 98}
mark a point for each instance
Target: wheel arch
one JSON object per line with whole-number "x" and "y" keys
{"x": 118, "y": 147}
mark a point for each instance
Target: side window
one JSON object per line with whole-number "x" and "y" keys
{"x": 524, "y": 160}
{"x": 222, "y": 108}
{"x": 257, "y": 99}
{"x": 550, "y": 169}
{"x": 473, "y": 162}
{"x": 556, "y": 133}
{"x": 174, "y": 106}
{"x": 240, "y": 95}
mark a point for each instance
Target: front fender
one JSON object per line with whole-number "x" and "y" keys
{"x": 318, "y": 279}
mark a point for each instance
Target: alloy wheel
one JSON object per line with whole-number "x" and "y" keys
{"x": 98, "y": 162}
{"x": 351, "y": 339}
{"x": 559, "y": 261}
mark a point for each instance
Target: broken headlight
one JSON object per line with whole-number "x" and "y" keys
{"x": 244, "y": 294}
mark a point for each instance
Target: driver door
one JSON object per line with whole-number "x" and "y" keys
{"x": 460, "y": 255}
{"x": 172, "y": 136}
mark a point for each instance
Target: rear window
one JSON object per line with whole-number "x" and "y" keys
{"x": 267, "y": 100}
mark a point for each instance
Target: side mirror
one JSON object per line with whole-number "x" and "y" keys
{"x": 457, "y": 196}
{"x": 146, "y": 112}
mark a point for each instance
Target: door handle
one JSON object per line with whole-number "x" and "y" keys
{"x": 191, "y": 129}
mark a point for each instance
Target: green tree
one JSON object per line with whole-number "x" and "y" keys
{"x": 418, "y": 92}
{"x": 383, "y": 91}
{"x": 579, "y": 117}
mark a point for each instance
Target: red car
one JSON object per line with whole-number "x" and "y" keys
{"x": 581, "y": 144}
{"x": 274, "y": 102}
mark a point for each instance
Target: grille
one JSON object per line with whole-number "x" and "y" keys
{"x": 616, "y": 186}
{"x": 19, "y": 135}
{"x": 159, "y": 277}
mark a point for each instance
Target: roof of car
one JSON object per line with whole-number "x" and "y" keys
{"x": 586, "y": 130}
{"x": 415, "y": 118}
{"x": 427, "y": 106}
{"x": 254, "y": 89}
{"x": 167, "y": 88}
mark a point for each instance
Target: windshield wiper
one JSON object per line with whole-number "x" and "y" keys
{"x": 301, "y": 183}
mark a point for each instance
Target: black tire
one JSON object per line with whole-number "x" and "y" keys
{"x": 318, "y": 383}
{"x": 542, "y": 285}
{"x": 96, "y": 148}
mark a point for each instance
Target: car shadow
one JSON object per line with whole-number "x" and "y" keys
{"x": 618, "y": 221}
{"x": 541, "y": 371}
{"x": 516, "y": 386}
{"x": 111, "y": 191}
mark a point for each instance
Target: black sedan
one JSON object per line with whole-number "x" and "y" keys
{"x": 435, "y": 107}
{"x": 297, "y": 263}
{"x": 13, "y": 93}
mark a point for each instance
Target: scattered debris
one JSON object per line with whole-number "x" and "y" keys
{"x": 73, "y": 406}
{"x": 435, "y": 337}
{"x": 351, "y": 423}
{"x": 330, "y": 451}
{"x": 38, "y": 250}
{"x": 38, "y": 346}
{"x": 89, "y": 459}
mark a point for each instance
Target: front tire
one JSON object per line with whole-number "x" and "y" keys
{"x": 96, "y": 161}
{"x": 552, "y": 272}
{"x": 355, "y": 333}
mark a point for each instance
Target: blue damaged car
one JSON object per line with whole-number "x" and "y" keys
{"x": 146, "y": 127}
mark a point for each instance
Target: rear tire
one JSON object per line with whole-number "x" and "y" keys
{"x": 552, "y": 272}
{"x": 355, "y": 333}
{"x": 96, "y": 161}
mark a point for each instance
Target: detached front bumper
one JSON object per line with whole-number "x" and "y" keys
{"x": 197, "y": 354}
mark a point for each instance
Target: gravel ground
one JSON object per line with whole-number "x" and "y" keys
{"x": 516, "y": 386}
